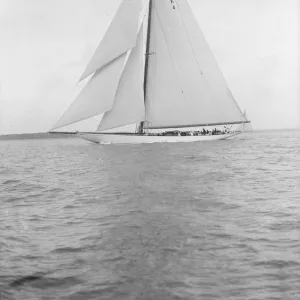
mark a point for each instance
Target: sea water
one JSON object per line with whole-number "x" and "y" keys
{"x": 208, "y": 220}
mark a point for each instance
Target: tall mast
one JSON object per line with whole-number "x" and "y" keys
{"x": 141, "y": 127}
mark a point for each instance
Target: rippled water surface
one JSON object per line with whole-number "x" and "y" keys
{"x": 212, "y": 220}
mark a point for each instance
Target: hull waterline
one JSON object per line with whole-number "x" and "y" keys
{"x": 99, "y": 138}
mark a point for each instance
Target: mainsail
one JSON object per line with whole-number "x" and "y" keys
{"x": 186, "y": 88}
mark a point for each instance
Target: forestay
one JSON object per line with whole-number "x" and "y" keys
{"x": 244, "y": 127}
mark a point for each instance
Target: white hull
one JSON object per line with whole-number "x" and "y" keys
{"x": 143, "y": 139}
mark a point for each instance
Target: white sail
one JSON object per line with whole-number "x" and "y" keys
{"x": 182, "y": 89}
{"x": 97, "y": 96}
{"x": 129, "y": 105}
{"x": 120, "y": 37}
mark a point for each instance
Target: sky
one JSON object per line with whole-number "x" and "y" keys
{"x": 46, "y": 44}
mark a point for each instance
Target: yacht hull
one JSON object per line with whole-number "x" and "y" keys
{"x": 100, "y": 138}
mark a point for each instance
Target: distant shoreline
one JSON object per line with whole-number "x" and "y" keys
{"x": 45, "y": 135}
{"x": 63, "y": 135}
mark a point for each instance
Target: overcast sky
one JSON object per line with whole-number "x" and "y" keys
{"x": 45, "y": 45}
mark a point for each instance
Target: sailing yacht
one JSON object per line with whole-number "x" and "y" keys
{"x": 155, "y": 70}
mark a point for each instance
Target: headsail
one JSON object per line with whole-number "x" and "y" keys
{"x": 120, "y": 37}
{"x": 185, "y": 87}
{"x": 97, "y": 96}
{"x": 129, "y": 105}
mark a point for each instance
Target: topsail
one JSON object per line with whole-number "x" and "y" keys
{"x": 120, "y": 37}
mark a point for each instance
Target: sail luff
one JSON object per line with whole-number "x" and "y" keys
{"x": 146, "y": 73}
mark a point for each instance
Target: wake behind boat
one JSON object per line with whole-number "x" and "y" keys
{"x": 154, "y": 68}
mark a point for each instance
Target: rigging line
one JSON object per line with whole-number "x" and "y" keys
{"x": 199, "y": 67}
{"x": 173, "y": 61}
{"x": 178, "y": 7}
{"x": 234, "y": 101}
{"x": 143, "y": 19}
{"x": 143, "y": 5}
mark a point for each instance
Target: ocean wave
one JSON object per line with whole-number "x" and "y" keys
{"x": 193, "y": 221}
{"x": 12, "y": 181}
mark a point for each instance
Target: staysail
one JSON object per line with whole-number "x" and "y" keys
{"x": 185, "y": 86}
{"x": 120, "y": 37}
{"x": 129, "y": 105}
